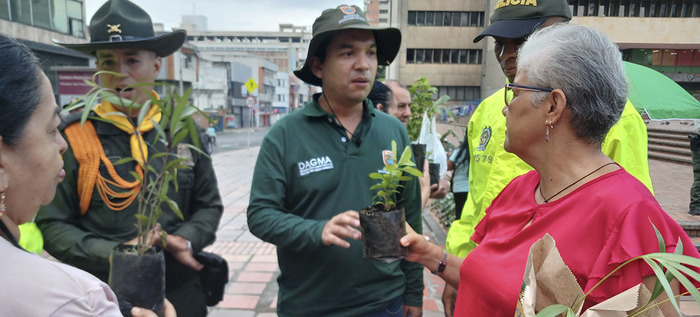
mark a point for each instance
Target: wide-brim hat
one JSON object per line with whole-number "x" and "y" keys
{"x": 514, "y": 21}
{"x": 347, "y": 17}
{"x": 123, "y": 24}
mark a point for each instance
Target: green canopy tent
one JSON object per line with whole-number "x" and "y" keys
{"x": 659, "y": 96}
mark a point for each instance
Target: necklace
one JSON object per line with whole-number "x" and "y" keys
{"x": 546, "y": 200}
{"x": 352, "y": 135}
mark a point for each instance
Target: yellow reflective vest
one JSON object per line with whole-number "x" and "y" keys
{"x": 491, "y": 168}
{"x": 30, "y": 238}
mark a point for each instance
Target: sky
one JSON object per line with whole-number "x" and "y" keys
{"x": 233, "y": 15}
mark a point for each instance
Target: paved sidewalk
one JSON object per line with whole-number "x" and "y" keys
{"x": 252, "y": 289}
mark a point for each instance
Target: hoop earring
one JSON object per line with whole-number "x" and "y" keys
{"x": 3, "y": 207}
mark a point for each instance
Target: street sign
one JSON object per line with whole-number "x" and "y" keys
{"x": 251, "y": 85}
{"x": 251, "y": 101}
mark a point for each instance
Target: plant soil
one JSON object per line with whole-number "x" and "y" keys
{"x": 381, "y": 233}
{"x": 138, "y": 280}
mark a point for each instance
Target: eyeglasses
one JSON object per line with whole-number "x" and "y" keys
{"x": 509, "y": 95}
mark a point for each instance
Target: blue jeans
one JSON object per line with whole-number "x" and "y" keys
{"x": 394, "y": 309}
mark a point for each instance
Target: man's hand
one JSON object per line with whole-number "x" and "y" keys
{"x": 439, "y": 192}
{"x": 341, "y": 227}
{"x": 151, "y": 238}
{"x": 412, "y": 311}
{"x": 177, "y": 246}
{"x": 449, "y": 298}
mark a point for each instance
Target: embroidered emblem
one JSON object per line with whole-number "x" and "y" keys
{"x": 388, "y": 157}
{"x": 485, "y": 138}
{"x": 114, "y": 28}
{"x": 184, "y": 152}
{"x": 315, "y": 165}
{"x": 347, "y": 9}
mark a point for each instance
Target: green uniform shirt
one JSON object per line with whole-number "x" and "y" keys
{"x": 85, "y": 241}
{"x": 491, "y": 168}
{"x": 307, "y": 172}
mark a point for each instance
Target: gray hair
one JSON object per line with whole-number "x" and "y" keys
{"x": 587, "y": 66}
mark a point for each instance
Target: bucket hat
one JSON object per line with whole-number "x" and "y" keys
{"x": 513, "y": 19}
{"x": 123, "y": 24}
{"x": 346, "y": 17}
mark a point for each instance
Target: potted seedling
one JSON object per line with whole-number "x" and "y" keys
{"x": 137, "y": 272}
{"x": 383, "y": 223}
{"x": 421, "y": 129}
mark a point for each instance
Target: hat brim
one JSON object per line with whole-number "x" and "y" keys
{"x": 511, "y": 29}
{"x": 163, "y": 45}
{"x": 388, "y": 44}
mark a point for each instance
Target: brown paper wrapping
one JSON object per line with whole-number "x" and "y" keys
{"x": 549, "y": 281}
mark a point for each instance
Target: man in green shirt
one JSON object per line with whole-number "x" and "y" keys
{"x": 90, "y": 216}
{"x": 312, "y": 176}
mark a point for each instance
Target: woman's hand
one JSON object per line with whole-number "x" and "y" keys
{"x": 418, "y": 247}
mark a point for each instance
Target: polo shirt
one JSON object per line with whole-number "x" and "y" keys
{"x": 309, "y": 170}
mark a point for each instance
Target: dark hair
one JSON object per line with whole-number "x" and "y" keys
{"x": 462, "y": 152}
{"x": 380, "y": 93}
{"x": 19, "y": 86}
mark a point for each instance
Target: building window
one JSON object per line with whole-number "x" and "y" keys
{"x": 459, "y": 93}
{"x": 383, "y": 11}
{"x": 665, "y": 60}
{"x": 635, "y": 8}
{"x": 443, "y": 56}
{"x": 446, "y": 18}
{"x": 383, "y": 20}
{"x": 4, "y": 10}
{"x": 63, "y": 16}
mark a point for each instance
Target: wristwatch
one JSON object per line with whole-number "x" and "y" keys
{"x": 443, "y": 263}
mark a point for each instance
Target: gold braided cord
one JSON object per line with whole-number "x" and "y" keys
{"x": 89, "y": 152}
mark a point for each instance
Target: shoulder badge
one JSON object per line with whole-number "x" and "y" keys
{"x": 184, "y": 152}
{"x": 388, "y": 157}
{"x": 485, "y": 138}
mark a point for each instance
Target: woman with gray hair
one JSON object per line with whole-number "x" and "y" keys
{"x": 569, "y": 77}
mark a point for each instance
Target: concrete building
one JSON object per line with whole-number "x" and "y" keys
{"x": 436, "y": 43}
{"x": 378, "y": 12}
{"x": 659, "y": 34}
{"x": 37, "y": 23}
{"x": 285, "y": 48}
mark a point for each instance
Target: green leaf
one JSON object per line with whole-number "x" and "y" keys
{"x": 661, "y": 278}
{"x": 175, "y": 208}
{"x": 406, "y": 156}
{"x": 140, "y": 217}
{"x": 124, "y": 160}
{"x": 164, "y": 238}
{"x": 659, "y": 238}
{"x": 179, "y": 137}
{"x": 554, "y": 311}
{"x": 376, "y": 176}
{"x": 413, "y": 171}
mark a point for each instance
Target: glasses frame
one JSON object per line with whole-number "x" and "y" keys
{"x": 523, "y": 87}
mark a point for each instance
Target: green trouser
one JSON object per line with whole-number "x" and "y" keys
{"x": 695, "y": 189}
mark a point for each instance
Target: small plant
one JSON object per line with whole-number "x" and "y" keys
{"x": 422, "y": 104}
{"x": 174, "y": 126}
{"x": 391, "y": 176}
